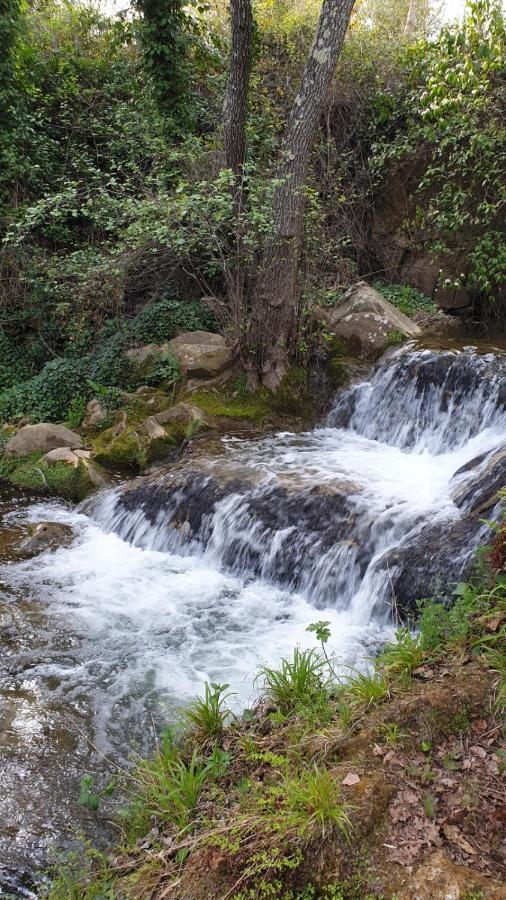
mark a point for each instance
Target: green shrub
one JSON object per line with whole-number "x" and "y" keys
{"x": 312, "y": 804}
{"x": 161, "y": 320}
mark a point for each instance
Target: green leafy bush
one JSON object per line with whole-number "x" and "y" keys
{"x": 406, "y": 298}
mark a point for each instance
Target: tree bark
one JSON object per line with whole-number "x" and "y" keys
{"x": 411, "y": 18}
{"x": 235, "y": 106}
{"x": 275, "y": 300}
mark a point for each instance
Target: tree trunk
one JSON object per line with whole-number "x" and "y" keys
{"x": 235, "y": 106}
{"x": 411, "y": 18}
{"x": 275, "y": 300}
{"x": 235, "y": 109}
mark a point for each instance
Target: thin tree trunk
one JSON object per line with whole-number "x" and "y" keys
{"x": 412, "y": 17}
{"x": 235, "y": 109}
{"x": 235, "y": 106}
{"x": 276, "y": 296}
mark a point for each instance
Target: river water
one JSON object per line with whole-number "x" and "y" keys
{"x": 205, "y": 571}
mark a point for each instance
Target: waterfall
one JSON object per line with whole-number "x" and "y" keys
{"x": 333, "y": 512}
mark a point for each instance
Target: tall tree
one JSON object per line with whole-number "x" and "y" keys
{"x": 277, "y": 295}
{"x": 274, "y": 297}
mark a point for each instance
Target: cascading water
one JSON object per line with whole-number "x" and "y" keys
{"x": 207, "y": 569}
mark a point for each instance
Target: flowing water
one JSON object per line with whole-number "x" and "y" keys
{"x": 206, "y": 570}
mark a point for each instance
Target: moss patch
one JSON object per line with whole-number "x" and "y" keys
{"x": 59, "y": 480}
{"x": 127, "y": 450}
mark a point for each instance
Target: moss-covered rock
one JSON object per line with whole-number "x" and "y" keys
{"x": 58, "y": 479}
{"x": 123, "y": 450}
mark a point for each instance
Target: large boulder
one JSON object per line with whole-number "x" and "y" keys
{"x": 41, "y": 438}
{"x": 201, "y": 354}
{"x": 367, "y": 322}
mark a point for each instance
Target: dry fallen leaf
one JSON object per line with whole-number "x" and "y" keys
{"x": 452, "y": 834}
{"x": 407, "y": 797}
{"x": 351, "y": 778}
{"x": 478, "y": 751}
{"x": 378, "y": 751}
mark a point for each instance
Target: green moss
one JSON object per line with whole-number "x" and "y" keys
{"x": 222, "y": 405}
{"x": 60, "y": 479}
{"x": 395, "y": 337}
{"x": 337, "y": 371}
{"x": 125, "y": 450}
{"x": 234, "y": 401}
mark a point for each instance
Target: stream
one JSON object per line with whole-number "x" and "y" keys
{"x": 209, "y": 568}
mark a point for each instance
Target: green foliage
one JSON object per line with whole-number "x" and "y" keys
{"x": 162, "y": 319}
{"x": 209, "y": 713}
{"x": 450, "y": 117}
{"x": 87, "y": 796}
{"x": 76, "y": 411}
{"x": 168, "y": 34}
{"x": 406, "y": 654}
{"x": 406, "y": 298}
{"x": 298, "y": 682}
{"x": 391, "y": 733}
{"x": 166, "y": 786}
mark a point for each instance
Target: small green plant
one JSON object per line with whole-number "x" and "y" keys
{"x": 297, "y": 682}
{"x": 167, "y": 787}
{"x": 76, "y": 411}
{"x": 311, "y": 804}
{"x": 209, "y": 713}
{"x": 87, "y": 796}
{"x": 366, "y": 688}
{"x": 404, "y": 655}
{"x": 429, "y": 803}
{"x": 391, "y": 733}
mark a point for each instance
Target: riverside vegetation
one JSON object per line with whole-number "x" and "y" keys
{"x": 331, "y": 778}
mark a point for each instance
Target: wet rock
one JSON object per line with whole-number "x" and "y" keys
{"x": 201, "y": 354}
{"x": 43, "y": 437}
{"x": 439, "y": 556}
{"x": 439, "y": 877}
{"x": 45, "y": 536}
{"x": 95, "y": 414}
{"x": 480, "y": 492}
{"x": 185, "y": 414}
{"x": 367, "y": 322}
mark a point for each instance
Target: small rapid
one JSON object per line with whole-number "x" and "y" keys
{"x": 207, "y": 569}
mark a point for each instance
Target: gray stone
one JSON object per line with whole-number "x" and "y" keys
{"x": 95, "y": 414}
{"x": 43, "y": 437}
{"x": 154, "y": 429}
{"x": 366, "y": 321}
{"x": 61, "y": 454}
{"x": 46, "y": 536}
{"x": 185, "y": 414}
